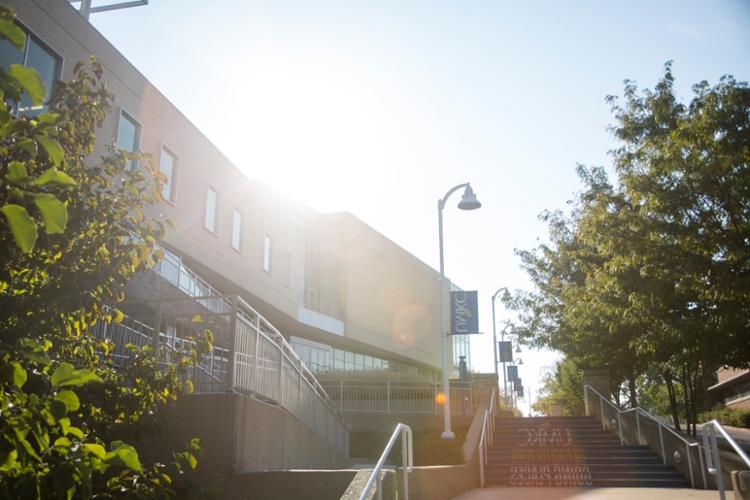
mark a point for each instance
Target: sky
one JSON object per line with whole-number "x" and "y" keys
{"x": 378, "y": 108}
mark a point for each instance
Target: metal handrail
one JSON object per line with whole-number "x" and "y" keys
{"x": 711, "y": 449}
{"x": 487, "y": 437}
{"x": 638, "y": 410}
{"x": 407, "y": 463}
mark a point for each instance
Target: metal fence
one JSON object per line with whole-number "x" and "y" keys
{"x": 250, "y": 356}
{"x": 396, "y": 398}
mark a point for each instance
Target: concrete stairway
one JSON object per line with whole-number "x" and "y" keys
{"x": 571, "y": 451}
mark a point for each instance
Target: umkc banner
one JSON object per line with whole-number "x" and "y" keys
{"x": 464, "y": 314}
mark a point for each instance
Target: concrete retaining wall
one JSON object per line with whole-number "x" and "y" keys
{"x": 240, "y": 434}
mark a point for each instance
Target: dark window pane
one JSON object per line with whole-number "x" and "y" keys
{"x": 45, "y": 63}
{"x": 9, "y": 54}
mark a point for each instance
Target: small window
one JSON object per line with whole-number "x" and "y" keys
{"x": 237, "y": 230}
{"x": 267, "y": 248}
{"x": 34, "y": 55}
{"x": 212, "y": 200}
{"x": 168, "y": 167}
{"x": 128, "y": 135}
{"x": 288, "y": 270}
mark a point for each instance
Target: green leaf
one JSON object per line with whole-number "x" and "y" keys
{"x": 22, "y": 226}
{"x": 54, "y": 176}
{"x": 30, "y": 81}
{"x": 66, "y": 375}
{"x": 16, "y": 171}
{"x": 48, "y": 118}
{"x": 54, "y": 212}
{"x": 95, "y": 449}
{"x": 27, "y": 145}
{"x": 19, "y": 374}
{"x": 10, "y": 31}
{"x": 69, "y": 399}
{"x": 52, "y": 147}
{"x": 125, "y": 454}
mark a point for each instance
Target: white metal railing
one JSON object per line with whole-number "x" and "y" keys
{"x": 184, "y": 279}
{"x": 407, "y": 463}
{"x": 387, "y": 397}
{"x": 638, "y": 413}
{"x": 487, "y": 437}
{"x": 263, "y": 363}
{"x": 711, "y": 449}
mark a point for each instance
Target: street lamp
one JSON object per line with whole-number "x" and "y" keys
{"x": 494, "y": 333}
{"x": 468, "y": 202}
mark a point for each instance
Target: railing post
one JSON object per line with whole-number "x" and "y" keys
{"x": 661, "y": 441}
{"x": 388, "y": 397}
{"x": 690, "y": 466}
{"x": 716, "y": 459}
{"x": 404, "y": 464}
{"x": 232, "y": 345}
{"x": 256, "y": 359}
{"x": 586, "y": 400}
{"x": 638, "y": 424}
{"x": 279, "y": 386}
{"x": 157, "y": 329}
{"x": 619, "y": 427}
{"x": 601, "y": 412}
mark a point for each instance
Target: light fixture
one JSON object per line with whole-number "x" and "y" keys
{"x": 469, "y": 200}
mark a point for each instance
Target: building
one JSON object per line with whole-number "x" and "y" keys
{"x": 347, "y": 300}
{"x": 732, "y": 389}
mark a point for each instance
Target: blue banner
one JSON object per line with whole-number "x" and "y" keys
{"x": 464, "y": 313}
{"x": 506, "y": 351}
{"x": 512, "y": 372}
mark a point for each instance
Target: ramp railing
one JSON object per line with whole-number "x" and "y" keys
{"x": 407, "y": 463}
{"x": 636, "y": 426}
{"x": 711, "y": 449}
{"x": 487, "y": 437}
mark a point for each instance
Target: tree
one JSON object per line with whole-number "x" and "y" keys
{"x": 561, "y": 386}
{"x": 651, "y": 276}
{"x": 73, "y": 233}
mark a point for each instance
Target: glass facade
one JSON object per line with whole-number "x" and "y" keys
{"x": 322, "y": 358}
{"x": 461, "y": 347}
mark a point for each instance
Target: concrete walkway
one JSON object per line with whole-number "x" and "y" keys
{"x": 587, "y": 494}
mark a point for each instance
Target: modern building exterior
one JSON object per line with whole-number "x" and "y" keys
{"x": 347, "y": 298}
{"x": 295, "y": 295}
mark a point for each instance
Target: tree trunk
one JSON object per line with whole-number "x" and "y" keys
{"x": 632, "y": 388}
{"x": 673, "y": 409}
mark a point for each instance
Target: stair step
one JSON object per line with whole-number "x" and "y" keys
{"x": 593, "y": 468}
{"x": 599, "y": 483}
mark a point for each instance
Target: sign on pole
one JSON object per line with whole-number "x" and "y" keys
{"x": 519, "y": 390}
{"x": 512, "y": 372}
{"x": 506, "y": 351}
{"x": 464, "y": 313}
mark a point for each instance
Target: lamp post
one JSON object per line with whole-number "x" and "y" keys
{"x": 513, "y": 399}
{"x": 494, "y": 336}
{"x": 468, "y": 202}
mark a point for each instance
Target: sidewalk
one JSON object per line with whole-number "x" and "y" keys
{"x": 504, "y": 493}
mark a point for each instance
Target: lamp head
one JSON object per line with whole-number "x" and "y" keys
{"x": 520, "y": 362}
{"x": 469, "y": 200}
{"x": 518, "y": 348}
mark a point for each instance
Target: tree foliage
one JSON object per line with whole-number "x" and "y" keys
{"x": 651, "y": 274}
{"x": 561, "y": 386}
{"x": 73, "y": 233}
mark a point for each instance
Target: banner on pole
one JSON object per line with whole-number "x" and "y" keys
{"x": 464, "y": 313}
{"x": 506, "y": 351}
{"x": 519, "y": 391}
{"x": 512, "y": 373}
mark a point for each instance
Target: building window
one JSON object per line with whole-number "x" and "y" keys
{"x": 237, "y": 230}
{"x": 168, "y": 167}
{"x": 128, "y": 135}
{"x": 288, "y": 270}
{"x": 212, "y": 200}
{"x": 267, "y": 248}
{"x": 34, "y": 55}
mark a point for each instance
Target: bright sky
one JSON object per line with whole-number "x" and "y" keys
{"x": 379, "y": 107}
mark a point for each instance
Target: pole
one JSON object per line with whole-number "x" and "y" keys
{"x": 447, "y": 432}
{"x": 505, "y": 374}
{"x": 494, "y": 334}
